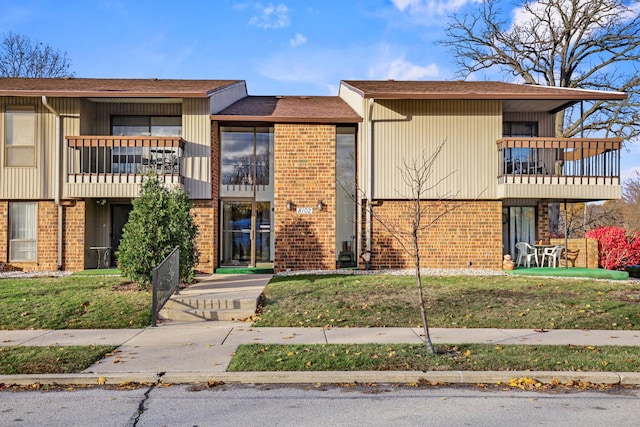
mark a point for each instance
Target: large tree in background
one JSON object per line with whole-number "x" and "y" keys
{"x": 22, "y": 57}
{"x": 581, "y": 44}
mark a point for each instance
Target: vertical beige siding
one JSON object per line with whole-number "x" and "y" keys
{"x": 196, "y": 130}
{"x": 354, "y": 100}
{"x": 546, "y": 121}
{"x": 36, "y": 182}
{"x": 404, "y": 130}
{"x": 224, "y": 97}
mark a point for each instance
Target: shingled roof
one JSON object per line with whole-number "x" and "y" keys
{"x": 289, "y": 109}
{"x": 127, "y": 88}
{"x": 392, "y": 89}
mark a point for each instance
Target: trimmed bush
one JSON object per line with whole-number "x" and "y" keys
{"x": 160, "y": 220}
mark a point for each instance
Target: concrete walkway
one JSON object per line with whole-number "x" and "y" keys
{"x": 201, "y": 351}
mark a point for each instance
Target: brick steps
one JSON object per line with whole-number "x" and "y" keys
{"x": 203, "y": 308}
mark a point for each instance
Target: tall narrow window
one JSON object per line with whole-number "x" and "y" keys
{"x": 23, "y": 226}
{"x": 20, "y": 137}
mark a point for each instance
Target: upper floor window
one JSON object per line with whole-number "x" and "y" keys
{"x": 521, "y": 159}
{"x": 246, "y": 155}
{"x": 137, "y": 159}
{"x": 146, "y": 126}
{"x": 20, "y": 144}
{"x": 519, "y": 129}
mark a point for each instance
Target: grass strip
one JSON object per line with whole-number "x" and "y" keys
{"x": 17, "y": 360}
{"x": 99, "y": 272}
{"x": 453, "y": 302}
{"x": 411, "y": 357}
{"x": 73, "y": 302}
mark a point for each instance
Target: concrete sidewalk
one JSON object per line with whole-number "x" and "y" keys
{"x": 201, "y": 351}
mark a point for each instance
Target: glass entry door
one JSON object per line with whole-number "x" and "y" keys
{"x": 246, "y": 233}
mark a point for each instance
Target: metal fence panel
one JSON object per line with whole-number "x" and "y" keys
{"x": 165, "y": 282}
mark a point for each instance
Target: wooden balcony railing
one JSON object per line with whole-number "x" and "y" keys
{"x": 559, "y": 160}
{"x": 122, "y": 159}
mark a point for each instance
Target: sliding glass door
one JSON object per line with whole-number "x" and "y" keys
{"x": 246, "y": 236}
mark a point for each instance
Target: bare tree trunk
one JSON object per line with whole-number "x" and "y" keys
{"x": 416, "y": 252}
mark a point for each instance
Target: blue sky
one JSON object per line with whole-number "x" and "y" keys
{"x": 282, "y": 47}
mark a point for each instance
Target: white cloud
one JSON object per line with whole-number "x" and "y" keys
{"x": 324, "y": 67}
{"x": 400, "y": 69}
{"x": 298, "y": 40}
{"x": 271, "y": 17}
{"x": 430, "y": 7}
{"x": 391, "y": 65}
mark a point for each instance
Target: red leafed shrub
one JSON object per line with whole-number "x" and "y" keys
{"x": 616, "y": 248}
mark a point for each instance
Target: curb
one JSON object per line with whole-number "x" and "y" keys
{"x": 327, "y": 377}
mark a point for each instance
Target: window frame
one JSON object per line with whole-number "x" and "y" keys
{"x": 9, "y": 144}
{"x": 33, "y": 227}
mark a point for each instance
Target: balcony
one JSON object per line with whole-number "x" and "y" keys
{"x": 559, "y": 168}
{"x": 113, "y": 166}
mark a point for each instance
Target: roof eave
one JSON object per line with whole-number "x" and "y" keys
{"x": 102, "y": 94}
{"x": 283, "y": 119}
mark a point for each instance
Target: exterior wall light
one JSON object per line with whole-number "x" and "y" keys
{"x": 290, "y": 205}
{"x": 321, "y": 205}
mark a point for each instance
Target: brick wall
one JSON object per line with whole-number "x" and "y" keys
{"x": 47, "y": 237}
{"x": 4, "y": 231}
{"x": 304, "y": 167}
{"x": 471, "y": 232}
{"x": 74, "y": 225}
{"x": 588, "y": 255}
{"x": 543, "y": 221}
{"x": 205, "y": 217}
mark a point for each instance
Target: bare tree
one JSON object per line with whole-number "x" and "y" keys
{"x": 582, "y": 44}
{"x": 631, "y": 203}
{"x": 419, "y": 217}
{"x": 583, "y": 217}
{"x": 22, "y": 57}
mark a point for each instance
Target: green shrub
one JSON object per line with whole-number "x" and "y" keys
{"x": 160, "y": 220}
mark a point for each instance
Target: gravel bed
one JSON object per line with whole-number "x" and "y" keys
{"x": 409, "y": 272}
{"x": 30, "y": 274}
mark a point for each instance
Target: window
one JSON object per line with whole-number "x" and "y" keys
{"x": 146, "y": 126}
{"x": 134, "y": 159}
{"x": 23, "y": 226}
{"x": 520, "y": 159}
{"x": 20, "y": 137}
{"x": 246, "y": 155}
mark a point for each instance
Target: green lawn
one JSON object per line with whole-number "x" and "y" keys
{"x": 73, "y": 302}
{"x": 456, "y": 301}
{"x": 405, "y": 357}
{"x": 18, "y": 360}
{"x": 453, "y": 302}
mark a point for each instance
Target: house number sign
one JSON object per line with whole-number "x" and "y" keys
{"x": 304, "y": 211}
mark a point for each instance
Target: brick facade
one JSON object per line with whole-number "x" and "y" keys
{"x": 205, "y": 216}
{"x": 74, "y": 226}
{"x": 543, "y": 221}
{"x": 468, "y": 235}
{"x": 47, "y": 258}
{"x": 304, "y": 167}
{"x": 4, "y": 231}
{"x": 588, "y": 255}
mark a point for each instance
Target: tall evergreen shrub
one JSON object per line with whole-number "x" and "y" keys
{"x": 160, "y": 220}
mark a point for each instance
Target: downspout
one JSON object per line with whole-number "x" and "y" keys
{"x": 370, "y": 161}
{"x": 56, "y": 183}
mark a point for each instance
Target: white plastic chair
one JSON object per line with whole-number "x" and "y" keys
{"x": 551, "y": 255}
{"x": 526, "y": 252}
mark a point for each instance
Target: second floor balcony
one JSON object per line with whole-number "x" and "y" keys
{"x": 559, "y": 168}
{"x": 113, "y": 166}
